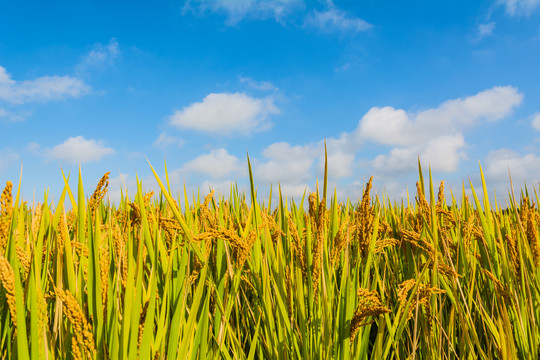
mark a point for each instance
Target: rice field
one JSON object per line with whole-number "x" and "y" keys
{"x": 165, "y": 276}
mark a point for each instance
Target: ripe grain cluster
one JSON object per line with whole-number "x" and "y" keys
{"x": 155, "y": 277}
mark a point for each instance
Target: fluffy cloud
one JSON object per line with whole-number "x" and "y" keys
{"x": 78, "y": 150}
{"x": 442, "y": 153}
{"x": 44, "y": 88}
{"x": 522, "y": 167}
{"x": 341, "y": 156}
{"x": 291, "y": 166}
{"x": 434, "y": 134}
{"x": 218, "y": 164}
{"x": 237, "y": 10}
{"x": 519, "y": 7}
{"x": 335, "y": 20}
{"x": 396, "y": 127}
{"x": 100, "y": 55}
{"x": 226, "y": 113}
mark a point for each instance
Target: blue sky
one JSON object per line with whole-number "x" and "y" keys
{"x": 201, "y": 83}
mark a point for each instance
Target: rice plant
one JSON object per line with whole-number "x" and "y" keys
{"x": 163, "y": 277}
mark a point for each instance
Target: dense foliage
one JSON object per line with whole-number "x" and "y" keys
{"x": 155, "y": 277}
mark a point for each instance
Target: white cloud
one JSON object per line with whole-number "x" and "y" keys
{"x": 78, "y": 150}
{"x": 165, "y": 140}
{"x": 522, "y": 167}
{"x": 442, "y": 153}
{"x": 396, "y": 127}
{"x": 341, "y": 156}
{"x": 519, "y": 7}
{"x": 3, "y": 112}
{"x": 483, "y": 30}
{"x": 45, "y": 88}
{"x": 100, "y": 55}
{"x": 218, "y": 164}
{"x": 436, "y": 135}
{"x": 258, "y": 85}
{"x": 335, "y": 20}
{"x": 387, "y": 126}
{"x": 399, "y": 160}
{"x": 536, "y": 121}
{"x": 291, "y": 166}
{"x": 237, "y": 10}
{"x": 226, "y": 113}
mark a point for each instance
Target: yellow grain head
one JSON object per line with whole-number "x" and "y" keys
{"x": 369, "y": 304}
{"x": 318, "y": 224}
{"x": 6, "y": 209}
{"x": 36, "y": 219}
{"x": 514, "y": 256}
{"x": 24, "y": 260}
{"x": 7, "y": 277}
{"x": 532, "y": 235}
{"x": 104, "y": 265}
{"x": 82, "y": 330}
{"x": 364, "y": 221}
{"x": 99, "y": 193}
{"x": 440, "y": 195}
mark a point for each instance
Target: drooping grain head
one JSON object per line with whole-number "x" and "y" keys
{"x": 369, "y": 304}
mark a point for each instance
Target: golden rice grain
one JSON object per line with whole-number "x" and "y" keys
{"x": 532, "y": 235}
{"x": 104, "y": 267}
{"x": 341, "y": 240}
{"x": 99, "y": 193}
{"x": 317, "y": 216}
{"x": 6, "y": 208}
{"x": 501, "y": 289}
{"x": 440, "y": 195}
{"x": 7, "y": 277}
{"x": 24, "y": 260}
{"x": 383, "y": 243}
{"x": 82, "y": 330}
{"x": 369, "y": 304}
